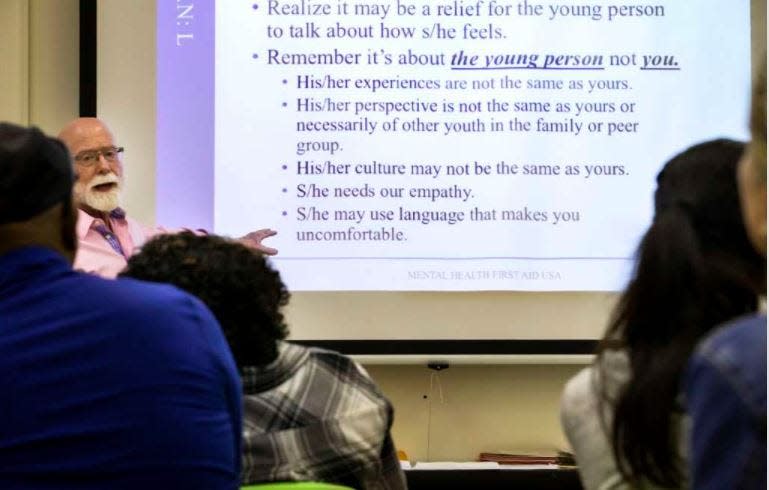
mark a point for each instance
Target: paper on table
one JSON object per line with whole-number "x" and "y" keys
{"x": 529, "y": 467}
{"x": 452, "y": 465}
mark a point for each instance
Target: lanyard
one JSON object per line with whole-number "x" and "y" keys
{"x": 110, "y": 237}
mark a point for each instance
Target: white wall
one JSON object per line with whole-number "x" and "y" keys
{"x": 14, "y": 61}
{"x": 54, "y": 63}
{"x": 39, "y": 62}
{"x": 484, "y": 408}
{"x": 757, "y": 32}
{"x": 125, "y": 74}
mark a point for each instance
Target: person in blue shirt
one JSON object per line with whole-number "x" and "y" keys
{"x": 725, "y": 381}
{"x": 114, "y": 384}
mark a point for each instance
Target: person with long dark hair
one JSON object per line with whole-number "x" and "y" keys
{"x": 695, "y": 268}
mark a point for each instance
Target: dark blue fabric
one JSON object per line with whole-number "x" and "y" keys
{"x": 726, "y": 398}
{"x": 111, "y": 384}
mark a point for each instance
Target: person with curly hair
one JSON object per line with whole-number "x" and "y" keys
{"x": 309, "y": 413}
{"x": 695, "y": 269}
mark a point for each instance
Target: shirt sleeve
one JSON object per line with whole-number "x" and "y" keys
{"x": 584, "y": 429}
{"x": 722, "y": 441}
{"x": 386, "y": 472}
{"x": 391, "y": 475}
{"x": 369, "y": 448}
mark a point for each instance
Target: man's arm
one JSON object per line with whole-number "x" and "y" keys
{"x": 252, "y": 240}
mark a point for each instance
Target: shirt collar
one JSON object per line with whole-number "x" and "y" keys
{"x": 85, "y": 220}
{"x": 258, "y": 379}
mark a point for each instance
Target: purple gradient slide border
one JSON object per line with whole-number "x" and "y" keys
{"x": 185, "y": 114}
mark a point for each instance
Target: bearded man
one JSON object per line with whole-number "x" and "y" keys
{"x": 107, "y": 237}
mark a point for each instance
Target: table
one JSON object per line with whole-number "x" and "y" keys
{"x": 540, "y": 479}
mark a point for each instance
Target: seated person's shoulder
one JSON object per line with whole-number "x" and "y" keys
{"x": 578, "y": 399}
{"x": 156, "y": 311}
{"x": 341, "y": 364}
{"x": 735, "y": 339}
{"x": 324, "y": 367}
{"x": 583, "y": 390}
{"x": 330, "y": 356}
{"x": 578, "y": 388}
{"x": 737, "y": 350}
{"x": 139, "y": 299}
{"x": 735, "y": 353}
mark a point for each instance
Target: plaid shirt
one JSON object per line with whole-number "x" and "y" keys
{"x": 315, "y": 414}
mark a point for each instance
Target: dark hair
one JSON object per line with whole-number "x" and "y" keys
{"x": 236, "y": 283}
{"x": 695, "y": 268}
{"x": 35, "y": 173}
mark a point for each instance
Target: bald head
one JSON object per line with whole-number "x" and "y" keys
{"x": 83, "y": 132}
{"x": 97, "y": 164}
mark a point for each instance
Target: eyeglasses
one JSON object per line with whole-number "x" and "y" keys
{"x": 91, "y": 157}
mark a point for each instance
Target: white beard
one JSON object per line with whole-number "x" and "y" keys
{"x": 99, "y": 201}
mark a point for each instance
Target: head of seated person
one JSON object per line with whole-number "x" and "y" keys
{"x": 695, "y": 268}
{"x": 243, "y": 292}
{"x": 36, "y": 206}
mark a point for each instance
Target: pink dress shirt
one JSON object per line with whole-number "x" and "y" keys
{"x": 95, "y": 255}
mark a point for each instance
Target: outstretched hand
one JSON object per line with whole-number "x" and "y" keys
{"x": 254, "y": 240}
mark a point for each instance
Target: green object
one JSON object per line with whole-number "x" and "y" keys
{"x": 296, "y": 485}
